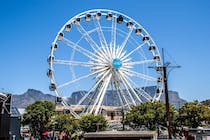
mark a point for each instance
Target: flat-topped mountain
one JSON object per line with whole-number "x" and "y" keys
{"x": 110, "y": 99}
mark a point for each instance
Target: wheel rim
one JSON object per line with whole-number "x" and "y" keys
{"x": 100, "y": 51}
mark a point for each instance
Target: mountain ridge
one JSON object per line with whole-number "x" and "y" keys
{"x": 29, "y": 97}
{"x": 32, "y": 95}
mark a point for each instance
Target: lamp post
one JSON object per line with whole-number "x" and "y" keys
{"x": 53, "y": 129}
{"x": 123, "y": 119}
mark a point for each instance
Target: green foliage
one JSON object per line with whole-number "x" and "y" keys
{"x": 41, "y": 117}
{"x": 66, "y": 123}
{"x": 206, "y": 102}
{"x": 149, "y": 114}
{"x": 38, "y": 115}
{"x": 193, "y": 114}
{"x": 89, "y": 123}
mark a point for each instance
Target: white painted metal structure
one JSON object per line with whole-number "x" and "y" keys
{"x": 2, "y": 96}
{"x": 103, "y": 50}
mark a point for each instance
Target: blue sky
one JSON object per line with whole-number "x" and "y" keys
{"x": 181, "y": 27}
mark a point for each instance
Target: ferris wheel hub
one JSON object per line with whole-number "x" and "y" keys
{"x": 116, "y": 63}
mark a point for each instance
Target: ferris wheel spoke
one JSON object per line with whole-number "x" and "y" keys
{"x": 79, "y": 49}
{"x": 128, "y": 85}
{"x": 107, "y": 53}
{"x": 137, "y": 48}
{"x": 122, "y": 54}
{"x": 96, "y": 67}
{"x": 80, "y": 78}
{"x": 113, "y": 35}
{"x": 100, "y": 33}
{"x": 138, "y": 62}
{"x": 140, "y": 75}
{"x": 127, "y": 89}
{"x": 126, "y": 60}
{"x": 95, "y": 85}
{"x": 121, "y": 93}
{"x": 89, "y": 39}
{"x": 112, "y": 87}
{"x": 129, "y": 93}
{"x": 77, "y": 63}
{"x": 128, "y": 67}
{"x": 144, "y": 94}
{"x": 101, "y": 74}
{"x": 138, "y": 89}
{"x": 121, "y": 47}
{"x": 85, "y": 51}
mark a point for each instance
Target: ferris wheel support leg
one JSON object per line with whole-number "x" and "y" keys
{"x": 102, "y": 96}
{"x": 118, "y": 94}
{"x": 125, "y": 98}
{"x": 98, "y": 97}
{"x": 71, "y": 111}
{"x": 99, "y": 81}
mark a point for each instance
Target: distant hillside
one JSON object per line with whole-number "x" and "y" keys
{"x": 29, "y": 97}
{"x": 174, "y": 99}
{"x": 110, "y": 99}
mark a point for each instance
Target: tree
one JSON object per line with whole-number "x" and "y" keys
{"x": 193, "y": 114}
{"x": 38, "y": 115}
{"x": 66, "y": 123}
{"x": 148, "y": 114}
{"x": 90, "y": 123}
{"x": 206, "y": 102}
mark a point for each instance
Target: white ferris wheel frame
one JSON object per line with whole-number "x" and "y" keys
{"x": 103, "y": 73}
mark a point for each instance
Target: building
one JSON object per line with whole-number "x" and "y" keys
{"x": 10, "y": 119}
{"x": 111, "y": 113}
{"x": 15, "y": 124}
{"x": 5, "y": 102}
{"x": 199, "y": 133}
{"x": 121, "y": 135}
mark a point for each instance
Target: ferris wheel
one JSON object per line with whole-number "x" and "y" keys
{"x": 99, "y": 52}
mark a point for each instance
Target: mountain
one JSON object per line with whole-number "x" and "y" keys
{"x": 174, "y": 99}
{"x": 110, "y": 99}
{"x": 173, "y": 96}
{"x": 29, "y": 97}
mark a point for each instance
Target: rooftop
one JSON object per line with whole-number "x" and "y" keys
{"x": 111, "y": 134}
{"x": 15, "y": 112}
